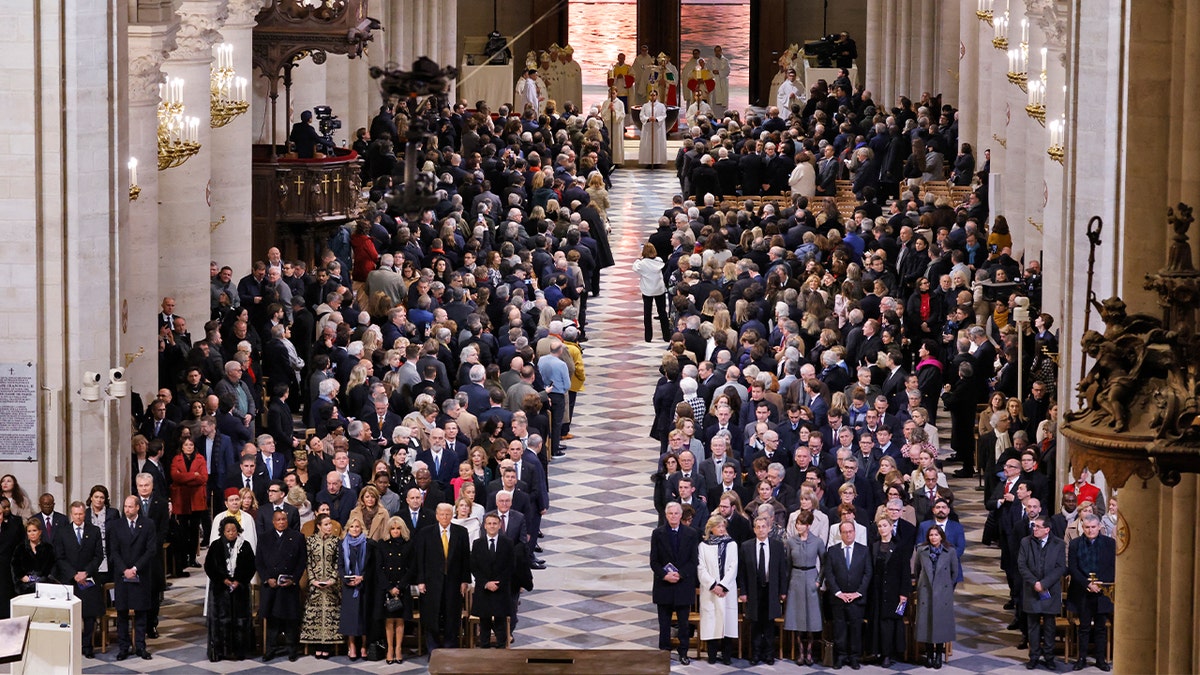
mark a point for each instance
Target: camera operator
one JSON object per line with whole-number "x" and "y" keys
{"x": 847, "y": 50}
{"x": 304, "y": 137}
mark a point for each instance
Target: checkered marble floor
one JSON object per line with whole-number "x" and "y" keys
{"x": 595, "y": 591}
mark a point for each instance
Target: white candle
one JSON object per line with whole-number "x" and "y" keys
{"x": 1043, "y": 50}
{"x": 1024, "y": 30}
{"x": 133, "y": 171}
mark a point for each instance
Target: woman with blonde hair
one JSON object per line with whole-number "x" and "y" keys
{"x": 599, "y": 195}
{"x": 373, "y": 516}
{"x": 395, "y": 576}
{"x": 718, "y": 567}
{"x": 357, "y": 553}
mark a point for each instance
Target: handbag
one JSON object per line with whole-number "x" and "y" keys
{"x": 393, "y": 603}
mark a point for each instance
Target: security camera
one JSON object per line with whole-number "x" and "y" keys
{"x": 90, "y": 389}
{"x": 117, "y": 384}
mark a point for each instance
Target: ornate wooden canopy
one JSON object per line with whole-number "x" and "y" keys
{"x": 290, "y": 30}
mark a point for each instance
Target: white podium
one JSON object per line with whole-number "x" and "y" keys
{"x": 55, "y": 640}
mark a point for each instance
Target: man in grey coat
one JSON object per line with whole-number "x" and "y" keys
{"x": 1042, "y": 562}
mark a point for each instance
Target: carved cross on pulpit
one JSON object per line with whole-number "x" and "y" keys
{"x": 337, "y": 183}
{"x": 325, "y": 183}
{"x": 299, "y": 183}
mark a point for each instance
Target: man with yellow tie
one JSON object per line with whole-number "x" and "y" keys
{"x": 443, "y": 557}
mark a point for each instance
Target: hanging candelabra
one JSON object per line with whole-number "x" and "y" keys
{"x": 135, "y": 190}
{"x": 228, "y": 90}
{"x": 984, "y": 11}
{"x": 1037, "y": 95}
{"x": 1000, "y": 32}
{"x": 178, "y": 136}
{"x": 1057, "y": 150}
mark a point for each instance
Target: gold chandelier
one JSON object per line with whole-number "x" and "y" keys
{"x": 228, "y": 90}
{"x": 178, "y": 136}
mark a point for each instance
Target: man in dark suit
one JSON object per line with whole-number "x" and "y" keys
{"x": 381, "y": 421}
{"x": 1092, "y": 563}
{"x": 270, "y": 464}
{"x": 1042, "y": 562}
{"x": 156, "y": 426}
{"x": 131, "y": 550}
{"x": 280, "y": 425}
{"x": 217, "y": 450}
{"x": 674, "y": 561}
{"x": 155, "y": 509}
{"x": 762, "y": 585}
{"x": 51, "y": 519}
{"x": 492, "y": 566}
{"x": 512, "y": 523}
{"x": 893, "y": 384}
{"x": 442, "y": 554}
{"x": 847, "y": 578}
{"x": 441, "y": 460}
{"x": 280, "y": 560}
{"x": 341, "y": 500}
{"x": 415, "y": 514}
{"x": 249, "y": 475}
{"x": 79, "y": 547}
{"x": 276, "y": 494}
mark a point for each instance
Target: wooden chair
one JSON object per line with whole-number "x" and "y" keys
{"x": 471, "y": 636}
{"x": 108, "y": 619}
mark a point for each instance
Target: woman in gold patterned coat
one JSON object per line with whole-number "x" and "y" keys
{"x": 323, "y": 609}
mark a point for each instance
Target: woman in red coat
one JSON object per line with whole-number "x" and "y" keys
{"x": 189, "y": 499}
{"x": 366, "y": 258}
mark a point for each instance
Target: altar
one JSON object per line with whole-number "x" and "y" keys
{"x": 493, "y": 84}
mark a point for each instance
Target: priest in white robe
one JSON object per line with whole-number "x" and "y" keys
{"x": 789, "y": 95}
{"x": 653, "y": 148}
{"x": 719, "y": 65}
{"x": 526, "y": 92}
{"x": 643, "y": 63}
{"x": 612, "y": 114}
{"x": 570, "y": 87}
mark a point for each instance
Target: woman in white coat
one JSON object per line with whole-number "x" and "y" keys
{"x": 649, "y": 269}
{"x": 718, "y": 590}
{"x": 803, "y": 180}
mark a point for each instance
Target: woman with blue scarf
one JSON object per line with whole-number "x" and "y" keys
{"x": 718, "y": 590}
{"x": 358, "y": 560}
{"x": 936, "y": 569}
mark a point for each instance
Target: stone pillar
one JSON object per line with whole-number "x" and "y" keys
{"x": 61, "y": 207}
{"x": 1135, "y": 630}
{"x": 149, "y": 45}
{"x": 1178, "y": 552}
{"x": 966, "y": 69}
{"x": 946, "y": 69}
{"x": 231, "y": 149}
{"x": 424, "y": 28}
{"x": 184, "y": 203}
{"x": 886, "y": 96}
{"x": 875, "y": 47}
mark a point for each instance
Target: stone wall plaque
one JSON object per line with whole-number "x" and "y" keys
{"x": 18, "y": 412}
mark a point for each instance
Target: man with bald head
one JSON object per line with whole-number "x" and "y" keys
{"x": 341, "y": 502}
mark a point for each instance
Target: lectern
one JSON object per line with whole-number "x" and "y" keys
{"x": 55, "y": 642}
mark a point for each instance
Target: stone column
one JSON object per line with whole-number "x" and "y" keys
{"x": 886, "y": 95}
{"x": 966, "y": 67}
{"x": 61, "y": 208}
{"x": 1135, "y": 624}
{"x": 184, "y": 203}
{"x": 149, "y": 45}
{"x": 1179, "y": 542}
{"x": 424, "y": 28}
{"x": 231, "y": 149}
{"x": 874, "y": 48}
{"x": 946, "y": 35}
